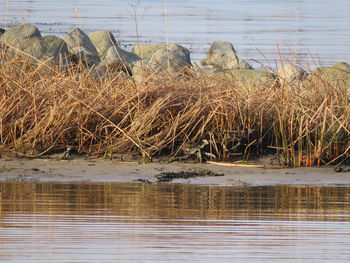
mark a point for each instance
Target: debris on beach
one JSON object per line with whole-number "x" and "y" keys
{"x": 166, "y": 177}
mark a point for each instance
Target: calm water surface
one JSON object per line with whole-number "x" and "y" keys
{"x": 173, "y": 223}
{"x": 309, "y": 32}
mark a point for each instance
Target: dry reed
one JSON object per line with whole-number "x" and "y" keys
{"x": 44, "y": 110}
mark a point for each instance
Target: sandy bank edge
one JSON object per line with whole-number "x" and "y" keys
{"x": 96, "y": 170}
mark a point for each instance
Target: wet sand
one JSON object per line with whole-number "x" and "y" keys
{"x": 97, "y": 170}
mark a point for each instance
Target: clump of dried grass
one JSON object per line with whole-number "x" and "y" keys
{"x": 43, "y": 110}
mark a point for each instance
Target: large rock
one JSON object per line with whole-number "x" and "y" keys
{"x": 118, "y": 54}
{"x": 222, "y": 55}
{"x": 173, "y": 59}
{"x": 117, "y": 59}
{"x": 24, "y": 31}
{"x": 102, "y": 40}
{"x": 51, "y": 49}
{"x": 328, "y": 78}
{"x": 139, "y": 70}
{"x": 242, "y": 64}
{"x": 291, "y": 73}
{"x": 1, "y": 32}
{"x": 201, "y": 69}
{"x": 81, "y": 47}
{"x": 248, "y": 78}
{"x": 147, "y": 50}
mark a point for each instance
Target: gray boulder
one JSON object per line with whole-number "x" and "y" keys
{"x": 102, "y": 40}
{"x": 1, "y": 44}
{"x": 201, "y": 69}
{"x": 291, "y": 73}
{"x": 146, "y": 50}
{"x": 172, "y": 59}
{"x": 118, "y": 59}
{"x": 139, "y": 70}
{"x": 247, "y": 78}
{"x": 222, "y": 55}
{"x": 342, "y": 66}
{"x": 118, "y": 54}
{"x": 242, "y": 64}
{"x": 81, "y": 47}
{"x": 49, "y": 49}
{"x": 336, "y": 77}
{"x": 23, "y": 31}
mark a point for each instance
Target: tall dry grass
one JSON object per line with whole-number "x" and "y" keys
{"x": 43, "y": 110}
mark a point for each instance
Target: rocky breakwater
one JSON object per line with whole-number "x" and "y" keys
{"x": 98, "y": 50}
{"x": 101, "y": 53}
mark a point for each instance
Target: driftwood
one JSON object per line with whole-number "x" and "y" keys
{"x": 247, "y": 165}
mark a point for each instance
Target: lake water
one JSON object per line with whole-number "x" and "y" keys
{"x": 310, "y": 32}
{"x": 173, "y": 223}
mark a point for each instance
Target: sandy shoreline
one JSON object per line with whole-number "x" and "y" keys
{"x": 96, "y": 170}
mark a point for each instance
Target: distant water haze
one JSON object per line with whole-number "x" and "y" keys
{"x": 309, "y": 32}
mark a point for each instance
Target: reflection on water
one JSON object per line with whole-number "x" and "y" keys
{"x": 255, "y": 27}
{"x": 173, "y": 223}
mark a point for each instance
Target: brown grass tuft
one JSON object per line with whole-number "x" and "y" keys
{"x": 44, "y": 110}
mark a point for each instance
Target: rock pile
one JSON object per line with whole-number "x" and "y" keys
{"x": 26, "y": 40}
{"x": 102, "y": 52}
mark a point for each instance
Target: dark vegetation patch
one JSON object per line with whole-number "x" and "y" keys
{"x": 166, "y": 177}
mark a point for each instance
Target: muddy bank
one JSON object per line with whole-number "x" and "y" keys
{"x": 63, "y": 171}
